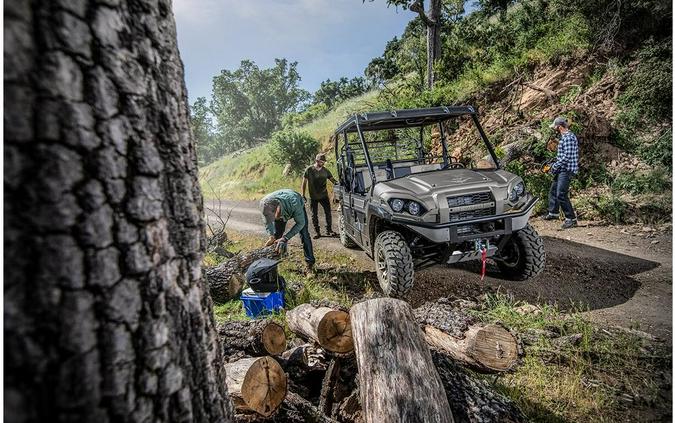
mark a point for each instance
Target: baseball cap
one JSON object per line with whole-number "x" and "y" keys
{"x": 559, "y": 121}
{"x": 268, "y": 207}
{"x": 321, "y": 156}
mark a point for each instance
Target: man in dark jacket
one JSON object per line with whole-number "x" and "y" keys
{"x": 315, "y": 179}
{"x": 564, "y": 168}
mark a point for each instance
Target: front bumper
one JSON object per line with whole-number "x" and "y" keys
{"x": 503, "y": 224}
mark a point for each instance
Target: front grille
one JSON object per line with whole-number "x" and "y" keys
{"x": 471, "y": 206}
{"x": 470, "y": 199}
{"x": 471, "y": 214}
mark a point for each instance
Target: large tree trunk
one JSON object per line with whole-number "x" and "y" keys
{"x": 433, "y": 40}
{"x": 107, "y": 317}
{"x": 397, "y": 378}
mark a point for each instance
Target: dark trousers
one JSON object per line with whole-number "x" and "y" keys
{"x": 307, "y": 249}
{"x": 559, "y": 195}
{"x": 325, "y": 203}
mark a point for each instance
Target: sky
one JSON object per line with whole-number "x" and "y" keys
{"x": 328, "y": 38}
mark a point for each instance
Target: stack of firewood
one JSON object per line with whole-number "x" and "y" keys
{"x": 378, "y": 362}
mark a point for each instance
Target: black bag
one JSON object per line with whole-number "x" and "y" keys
{"x": 262, "y": 276}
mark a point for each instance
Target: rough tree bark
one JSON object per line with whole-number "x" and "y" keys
{"x": 252, "y": 337}
{"x": 107, "y": 317}
{"x": 432, "y": 20}
{"x": 328, "y": 327}
{"x": 397, "y": 379}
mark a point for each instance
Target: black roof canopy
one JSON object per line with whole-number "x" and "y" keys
{"x": 403, "y": 118}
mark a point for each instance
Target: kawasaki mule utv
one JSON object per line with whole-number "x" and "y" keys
{"x": 409, "y": 204}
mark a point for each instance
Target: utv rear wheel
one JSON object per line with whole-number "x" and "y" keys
{"x": 523, "y": 256}
{"x": 394, "y": 264}
{"x": 345, "y": 240}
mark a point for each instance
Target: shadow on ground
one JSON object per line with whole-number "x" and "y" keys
{"x": 576, "y": 275}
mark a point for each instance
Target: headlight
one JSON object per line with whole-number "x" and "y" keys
{"x": 397, "y": 205}
{"x": 414, "y": 208}
{"x": 517, "y": 191}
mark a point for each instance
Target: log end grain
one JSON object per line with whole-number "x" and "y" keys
{"x": 495, "y": 347}
{"x": 335, "y": 332}
{"x": 274, "y": 339}
{"x": 264, "y": 387}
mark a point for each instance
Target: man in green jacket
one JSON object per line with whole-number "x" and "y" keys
{"x": 277, "y": 209}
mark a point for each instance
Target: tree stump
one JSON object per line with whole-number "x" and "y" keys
{"x": 485, "y": 348}
{"x": 253, "y": 337}
{"x": 256, "y": 384}
{"x": 329, "y": 328}
{"x": 397, "y": 378}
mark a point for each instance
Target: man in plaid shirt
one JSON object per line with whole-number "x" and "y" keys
{"x": 564, "y": 168}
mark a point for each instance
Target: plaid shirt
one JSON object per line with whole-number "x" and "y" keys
{"x": 568, "y": 154}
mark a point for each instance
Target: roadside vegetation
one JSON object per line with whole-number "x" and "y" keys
{"x": 573, "y": 370}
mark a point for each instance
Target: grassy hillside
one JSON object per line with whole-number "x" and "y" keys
{"x": 247, "y": 175}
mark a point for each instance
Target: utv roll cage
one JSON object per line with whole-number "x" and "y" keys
{"x": 409, "y": 118}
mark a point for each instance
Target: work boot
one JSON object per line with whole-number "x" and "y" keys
{"x": 309, "y": 269}
{"x": 330, "y": 233}
{"x": 569, "y": 223}
{"x": 551, "y": 216}
{"x": 317, "y": 235}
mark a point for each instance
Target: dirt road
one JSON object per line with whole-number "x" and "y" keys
{"x": 621, "y": 274}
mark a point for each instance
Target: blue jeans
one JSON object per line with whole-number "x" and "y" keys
{"x": 307, "y": 249}
{"x": 559, "y": 195}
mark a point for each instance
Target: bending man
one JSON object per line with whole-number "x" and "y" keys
{"x": 277, "y": 209}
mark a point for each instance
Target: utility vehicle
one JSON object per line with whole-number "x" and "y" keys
{"x": 409, "y": 203}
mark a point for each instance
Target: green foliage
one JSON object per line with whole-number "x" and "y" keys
{"x": 249, "y": 102}
{"x": 656, "y": 181}
{"x": 612, "y": 208}
{"x": 207, "y": 145}
{"x": 660, "y": 151}
{"x": 313, "y": 112}
{"x": 649, "y": 90}
{"x": 384, "y": 68}
{"x": 331, "y": 93}
{"x": 295, "y": 148}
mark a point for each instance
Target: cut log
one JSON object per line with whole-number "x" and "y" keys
{"x": 305, "y": 366}
{"x": 329, "y": 328}
{"x": 338, "y": 385}
{"x": 256, "y": 384}
{"x": 253, "y": 337}
{"x": 227, "y": 279}
{"x": 486, "y": 348}
{"x": 472, "y": 399}
{"x": 397, "y": 378}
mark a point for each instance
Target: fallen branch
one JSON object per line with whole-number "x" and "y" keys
{"x": 253, "y": 337}
{"x": 256, "y": 384}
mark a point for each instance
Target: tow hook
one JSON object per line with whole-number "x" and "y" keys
{"x": 482, "y": 246}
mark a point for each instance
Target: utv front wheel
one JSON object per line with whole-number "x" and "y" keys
{"x": 345, "y": 240}
{"x": 523, "y": 256}
{"x": 394, "y": 264}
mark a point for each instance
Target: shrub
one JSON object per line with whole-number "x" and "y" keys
{"x": 612, "y": 208}
{"x": 656, "y": 181}
{"x": 649, "y": 87}
{"x": 293, "y": 147}
{"x": 659, "y": 152}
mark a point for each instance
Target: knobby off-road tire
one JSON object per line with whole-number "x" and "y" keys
{"x": 345, "y": 240}
{"x": 524, "y": 256}
{"x": 394, "y": 264}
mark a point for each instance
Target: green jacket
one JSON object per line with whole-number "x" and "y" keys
{"x": 292, "y": 207}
